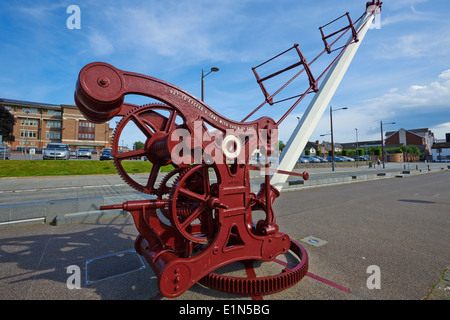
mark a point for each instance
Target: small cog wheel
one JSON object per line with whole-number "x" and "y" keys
{"x": 164, "y": 188}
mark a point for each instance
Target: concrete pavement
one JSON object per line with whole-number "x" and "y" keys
{"x": 68, "y": 199}
{"x": 400, "y": 225}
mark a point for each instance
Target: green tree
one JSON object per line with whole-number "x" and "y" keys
{"x": 7, "y": 122}
{"x": 413, "y": 150}
{"x": 138, "y": 145}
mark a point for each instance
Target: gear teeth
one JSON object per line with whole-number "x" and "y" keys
{"x": 259, "y": 286}
{"x": 167, "y": 177}
{"x": 181, "y": 174}
{"x": 163, "y": 187}
{"x": 153, "y": 104}
{"x": 116, "y": 136}
{"x": 177, "y": 180}
{"x": 183, "y": 211}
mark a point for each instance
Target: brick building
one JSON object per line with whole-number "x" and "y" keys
{"x": 78, "y": 132}
{"x": 325, "y": 147}
{"x": 422, "y": 138}
{"x": 38, "y": 124}
{"x": 441, "y": 149}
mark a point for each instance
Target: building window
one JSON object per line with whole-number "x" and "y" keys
{"x": 53, "y": 135}
{"x": 85, "y": 124}
{"x": 85, "y": 136}
{"x": 31, "y": 122}
{"x": 54, "y": 113}
{"x": 86, "y": 130}
{"x": 32, "y": 134}
{"x": 53, "y": 124}
{"x": 30, "y": 110}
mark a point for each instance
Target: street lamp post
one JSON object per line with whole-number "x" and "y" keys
{"x": 326, "y": 134}
{"x": 26, "y": 133}
{"x": 382, "y": 142}
{"x": 213, "y": 69}
{"x": 332, "y": 139}
{"x": 357, "y": 153}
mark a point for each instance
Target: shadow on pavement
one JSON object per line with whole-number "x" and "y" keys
{"x": 35, "y": 261}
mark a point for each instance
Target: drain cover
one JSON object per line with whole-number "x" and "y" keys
{"x": 314, "y": 241}
{"x": 113, "y": 265}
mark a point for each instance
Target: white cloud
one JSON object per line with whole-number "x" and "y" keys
{"x": 399, "y": 4}
{"x": 410, "y": 17}
{"x": 415, "y": 45}
{"x": 41, "y": 12}
{"x": 445, "y": 75}
{"x": 99, "y": 44}
{"x": 418, "y": 106}
{"x": 191, "y": 31}
{"x": 175, "y": 29}
{"x": 436, "y": 94}
{"x": 440, "y": 130}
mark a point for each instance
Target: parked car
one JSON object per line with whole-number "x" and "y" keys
{"x": 311, "y": 159}
{"x": 346, "y": 159}
{"x": 303, "y": 160}
{"x": 56, "y": 151}
{"x": 336, "y": 159}
{"x": 320, "y": 159}
{"x": 106, "y": 155}
{"x": 84, "y": 153}
{"x": 73, "y": 153}
{"x": 361, "y": 158}
{"x": 262, "y": 160}
{"x": 4, "y": 153}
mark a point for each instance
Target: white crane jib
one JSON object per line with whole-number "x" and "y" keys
{"x": 323, "y": 96}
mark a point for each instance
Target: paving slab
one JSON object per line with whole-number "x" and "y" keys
{"x": 399, "y": 225}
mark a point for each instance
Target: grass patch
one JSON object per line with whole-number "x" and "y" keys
{"x": 36, "y": 168}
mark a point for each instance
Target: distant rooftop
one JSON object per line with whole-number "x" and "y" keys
{"x": 28, "y": 103}
{"x": 419, "y": 132}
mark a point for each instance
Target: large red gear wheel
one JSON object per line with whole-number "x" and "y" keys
{"x": 260, "y": 286}
{"x": 150, "y": 120}
{"x": 192, "y": 204}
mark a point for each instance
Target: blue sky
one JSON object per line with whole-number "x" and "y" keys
{"x": 401, "y": 72}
